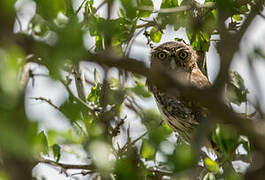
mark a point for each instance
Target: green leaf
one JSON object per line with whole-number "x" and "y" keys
{"x": 183, "y": 157}
{"x": 145, "y": 3}
{"x": 226, "y": 5}
{"x": 237, "y": 17}
{"x": 179, "y": 39}
{"x": 96, "y": 76}
{"x": 211, "y": 165}
{"x": 7, "y": 7}
{"x": 56, "y": 150}
{"x": 94, "y": 94}
{"x": 72, "y": 109}
{"x": 147, "y": 150}
{"x": 4, "y": 175}
{"x": 152, "y": 119}
{"x": 11, "y": 60}
{"x": 114, "y": 83}
{"x": 140, "y": 89}
{"x": 120, "y": 29}
{"x": 236, "y": 92}
{"x": 49, "y": 8}
{"x": 43, "y": 143}
{"x": 226, "y": 139}
{"x": 200, "y": 41}
{"x": 155, "y": 35}
{"x": 40, "y": 27}
{"x": 169, "y": 4}
{"x": 129, "y": 7}
{"x": 133, "y": 8}
{"x": 244, "y": 9}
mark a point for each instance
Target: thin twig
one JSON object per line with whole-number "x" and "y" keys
{"x": 67, "y": 166}
{"x": 129, "y": 143}
{"x": 79, "y": 8}
{"x": 91, "y": 107}
{"x": 49, "y": 101}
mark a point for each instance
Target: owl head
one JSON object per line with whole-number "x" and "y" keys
{"x": 175, "y": 55}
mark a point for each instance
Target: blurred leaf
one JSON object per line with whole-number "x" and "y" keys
{"x": 139, "y": 89}
{"x": 64, "y": 45}
{"x": 127, "y": 166}
{"x": 99, "y": 44}
{"x": 209, "y": 176}
{"x": 147, "y": 150}
{"x": 157, "y": 133}
{"x": 120, "y": 30}
{"x": 209, "y": 22}
{"x": 43, "y": 143}
{"x": 12, "y": 59}
{"x": 96, "y": 76}
{"x": 70, "y": 42}
{"x": 200, "y": 41}
{"x": 4, "y": 176}
{"x": 114, "y": 83}
{"x": 72, "y": 109}
{"x": 115, "y": 96}
{"x": 56, "y": 150}
{"x": 211, "y": 165}
{"x": 244, "y": 9}
{"x": 230, "y": 173}
{"x": 237, "y": 17}
{"x": 40, "y": 27}
{"x": 226, "y": 5}
{"x": 129, "y": 7}
{"x": 169, "y": 4}
{"x": 94, "y": 94}
{"x": 155, "y": 35}
{"x": 183, "y": 157}
{"x": 133, "y": 8}
{"x": 144, "y": 3}
{"x": 236, "y": 91}
{"x": 49, "y": 8}
{"x": 226, "y": 139}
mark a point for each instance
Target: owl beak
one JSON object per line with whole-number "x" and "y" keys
{"x": 173, "y": 64}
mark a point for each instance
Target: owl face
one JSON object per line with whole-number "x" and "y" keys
{"x": 174, "y": 55}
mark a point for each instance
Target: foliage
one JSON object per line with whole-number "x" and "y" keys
{"x": 54, "y": 39}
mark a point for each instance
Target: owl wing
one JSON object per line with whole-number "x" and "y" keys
{"x": 198, "y": 79}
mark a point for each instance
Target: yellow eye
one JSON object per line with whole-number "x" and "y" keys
{"x": 183, "y": 55}
{"x": 161, "y": 55}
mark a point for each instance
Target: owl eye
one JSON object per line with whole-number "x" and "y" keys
{"x": 161, "y": 55}
{"x": 183, "y": 54}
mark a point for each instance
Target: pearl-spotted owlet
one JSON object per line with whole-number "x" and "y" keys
{"x": 180, "y": 113}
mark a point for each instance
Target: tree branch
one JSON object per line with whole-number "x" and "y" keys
{"x": 67, "y": 166}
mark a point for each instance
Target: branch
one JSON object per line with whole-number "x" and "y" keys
{"x": 67, "y": 166}
{"x": 47, "y": 101}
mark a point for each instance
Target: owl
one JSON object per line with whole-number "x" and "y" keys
{"x": 181, "y": 114}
